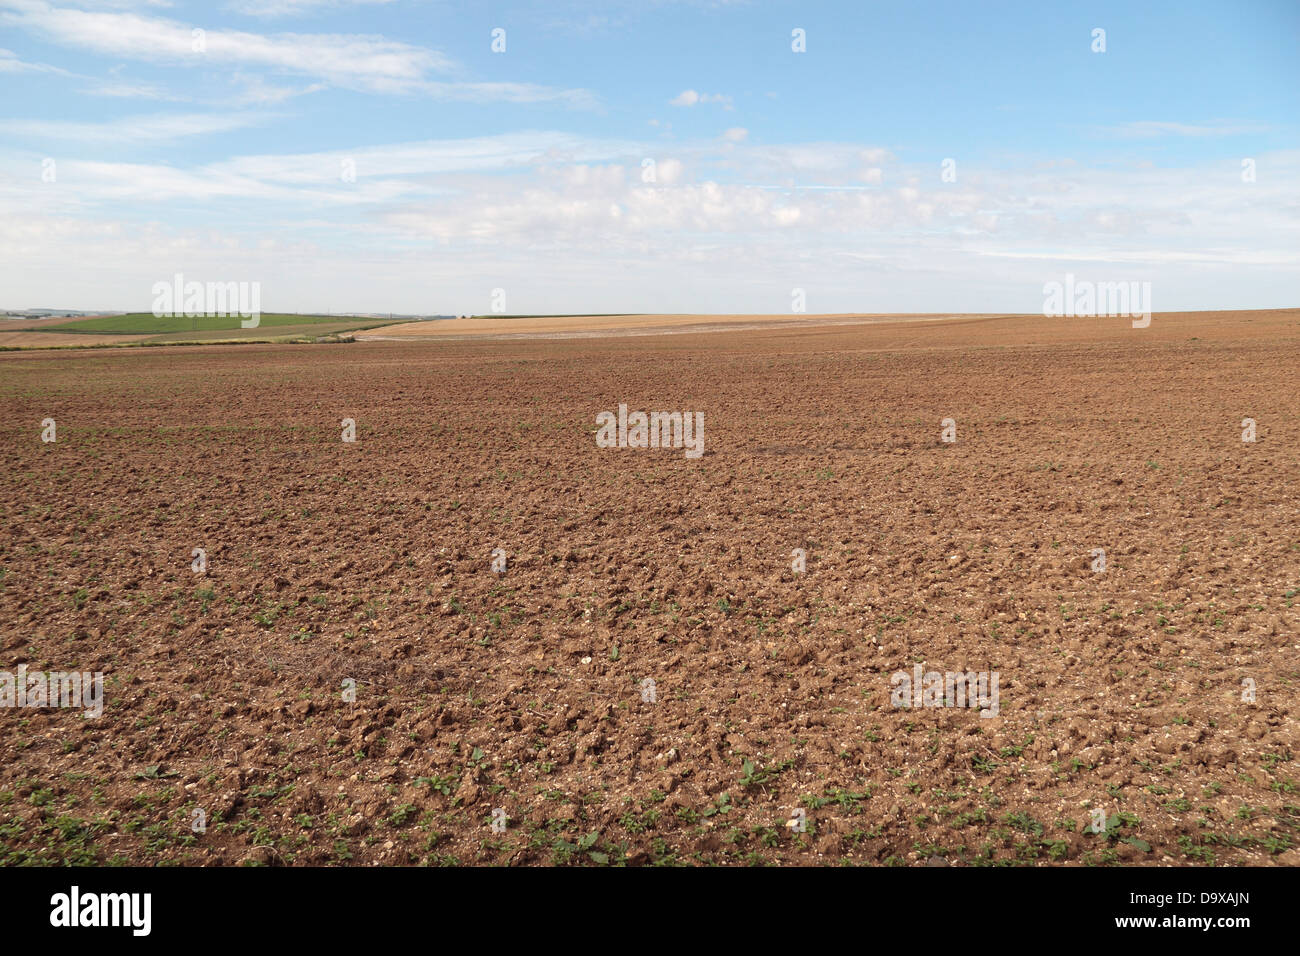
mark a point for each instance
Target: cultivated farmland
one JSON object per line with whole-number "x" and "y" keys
{"x": 349, "y": 680}
{"x": 144, "y": 328}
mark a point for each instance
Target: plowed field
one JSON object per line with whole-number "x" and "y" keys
{"x": 339, "y": 570}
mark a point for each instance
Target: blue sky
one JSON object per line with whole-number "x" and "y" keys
{"x": 379, "y": 156}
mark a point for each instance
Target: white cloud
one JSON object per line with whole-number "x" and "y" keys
{"x": 737, "y": 134}
{"x": 289, "y": 8}
{"x": 508, "y": 93}
{"x": 129, "y": 91}
{"x": 253, "y": 90}
{"x": 155, "y": 127}
{"x": 595, "y": 178}
{"x": 96, "y": 86}
{"x": 9, "y": 63}
{"x": 383, "y": 174}
{"x": 349, "y": 60}
{"x": 669, "y": 172}
{"x": 354, "y": 61}
{"x": 123, "y": 4}
{"x": 514, "y": 151}
{"x": 1151, "y": 129}
{"x": 694, "y": 98}
{"x": 553, "y": 211}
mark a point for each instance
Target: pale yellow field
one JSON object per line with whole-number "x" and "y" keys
{"x": 580, "y": 325}
{"x": 34, "y": 340}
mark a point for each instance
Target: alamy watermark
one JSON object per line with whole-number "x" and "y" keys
{"x": 192, "y": 299}
{"x": 652, "y": 430}
{"x": 1085, "y": 298}
{"x": 924, "y": 688}
{"x": 55, "y": 689}
{"x": 75, "y": 908}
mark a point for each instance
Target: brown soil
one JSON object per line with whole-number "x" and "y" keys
{"x": 370, "y": 561}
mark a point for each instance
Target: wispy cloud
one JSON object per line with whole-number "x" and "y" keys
{"x": 292, "y": 8}
{"x": 694, "y": 98}
{"x": 134, "y": 129}
{"x": 571, "y": 207}
{"x": 365, "y": 62}
{"x": 1152, "y": 129}
{"x": 253, "y": 90}
{"x": 10, "y": 63}
{"x": 470, "y": 92}
{"x": 353, "y": 61}
{"x": 130, "y": 91}
{"x": 96, "y": 86}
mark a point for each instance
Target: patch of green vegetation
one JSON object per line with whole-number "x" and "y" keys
{"x": 753, "y": 776}
{"x": 146, "y": 323}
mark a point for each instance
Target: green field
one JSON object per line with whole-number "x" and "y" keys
{"x": 146, "y": 323}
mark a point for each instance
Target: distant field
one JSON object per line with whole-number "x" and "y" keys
{"x": 146, "y": 323}
{"x": 89, "y": 334}
{"x": 578, "y": 326}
